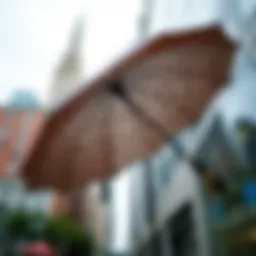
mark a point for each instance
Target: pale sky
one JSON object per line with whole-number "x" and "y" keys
{"x": 34, "y": 33}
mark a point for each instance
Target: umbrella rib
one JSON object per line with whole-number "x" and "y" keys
{"x": 176, "y": 146}
{"x": 154, "y": 125}
{"x": 119, "y": 90}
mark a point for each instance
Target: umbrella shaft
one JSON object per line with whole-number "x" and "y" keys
{"x": 175, "y": 145}
{"x": 119, "y": 91}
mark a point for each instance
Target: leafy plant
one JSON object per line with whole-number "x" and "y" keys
{"x": 61, "y": 231}
{"x": 17, "y": 224}
{"x": 66, "y": 234}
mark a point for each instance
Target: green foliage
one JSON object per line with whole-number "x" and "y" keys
{"x": 62, "y": 232}
{"x": 17, "y": 224}
{"x": 233, "y": 198}
{"x": 55, "y": 231}
{"x": 24, "y": 225}
{"x": 36, "y": 226}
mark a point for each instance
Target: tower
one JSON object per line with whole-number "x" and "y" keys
{"x": 21, "y": 123}
{"x": 145, "y": 19}
{"x": 69, "y": 72}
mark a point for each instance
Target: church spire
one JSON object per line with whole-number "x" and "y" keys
{"x": 77, "y": 36}
{"x": 69, "y": 72}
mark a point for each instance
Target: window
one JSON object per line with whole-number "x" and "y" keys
{"x": 246, "y": 134}
{"x": 163, "y": 164}
{"x": 19, "y": 145}
{"x": 2, "y": 137}
{"x": 43, "y": 203}
{"x": 156, "y": 245}
{"x": 38, "y": 202}
{"x": 149, "y": 191}
{"x": 216, "y": 151}
{"x": 167, "y": 168}
{"x": 182, "y": 233}
{"x": 15, "y": 200}
{"x": 11, "y": 193}
{"x": 5, "y": 128}
{"x": 106, "y": 191}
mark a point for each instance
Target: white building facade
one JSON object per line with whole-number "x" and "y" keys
{"x": 160, "y": 194}
{"x": 147, "y": 179}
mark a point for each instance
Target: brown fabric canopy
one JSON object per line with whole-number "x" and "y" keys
{"x": 169, "y": 81}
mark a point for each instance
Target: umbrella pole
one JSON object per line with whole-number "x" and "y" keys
{"x": 118, "y": 90}
{"x": 76, "y": 204}
{"x": 216, "y": 182}
{"x": 176, "y": 146}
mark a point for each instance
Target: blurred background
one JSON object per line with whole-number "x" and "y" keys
{"x": 162, "y": 204}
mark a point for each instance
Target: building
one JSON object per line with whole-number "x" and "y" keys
{"x": 69, "y": 72}
{"x": 151, "y": 180}
{"x": 170, "y": 206}
{"x": 154, "y": 195}
{"x": 246, "y": 136}
{"x": 95, "y": 214}
{"x": 86, "y": 204}
{"x": 179, "y": 212}
{"x": 164, "y": 15}
{"x": 119, "y": 215}
{"x": 217, "y": 151}
{"x": 21, "y": 121}
{"x": 155, "y": 180}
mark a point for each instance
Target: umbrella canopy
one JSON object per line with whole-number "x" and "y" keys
{"x": 129, "y": 111}
{"x": 39, "y": 249}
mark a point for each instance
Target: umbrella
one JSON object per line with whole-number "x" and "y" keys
{"x": 39, "y": 249}
{"x": 130, "y": 110}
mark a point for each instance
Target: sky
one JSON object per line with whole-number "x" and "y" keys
{"x": 34, "y": 34}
